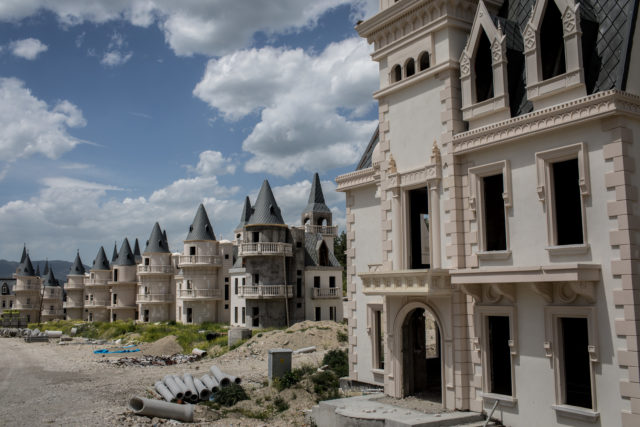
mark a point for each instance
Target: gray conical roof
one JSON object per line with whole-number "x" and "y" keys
{"x": 101, "y": 262}
{"x": 246, "y": 213}
{"x": 46, "y": 268}
{"x": 125, "y": 256}
{"x": 38, "y": 270}
{"x": 201, "y": 228}
{"x": 316, "y": 198}
{"x": 157, "y": 242}
{"x": 26, "y": 268}
{"x": 77, "y": 269}
{"x": 50, "y": 279}
{"x": 266, "y": 210}
{"x": 114, "y": 256}
{"x": 136, "y": 251}
{"x": 24, "y": 254}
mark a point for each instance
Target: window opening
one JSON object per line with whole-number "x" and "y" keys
{"x": 114, "y": 317}
{"x": 192, "y": 250}
{"x": 256, "y": 279}
{"x": 323, "y": 254}
{"x": 483, "y": 69}
{"x": 235, "y": 314}
{"x": 567, "y": 202}
{"x": 396, "y": 72}
{"x": 552, "y": 42}
{"x": 146, "y": 261}
{"x": 419, "y": 233}
{"x": 499, "y": 355}
{"x": 318, "y": 314}
{"x": 235, "y": 287}
{"x": 255, "y": 316}
{"x": 575, "y": 352}
{"x": 410, "y": 67}
{"x": 379, "y": 339}
{"x": 332, "y": 313}
{"x": 422, "y": 363}
{"x": 256, "y": 237}
{"x": 189, "y": 315}
{"x": 494, "y": 219}
{"x": 226, "y": 292}
{"x": 316, "y": 281}
{"x": 299, "y": 286}
{"x": 115, "y": 299}
{"x": 244, "y": 315}
{"x": 145, "y": 315}
{"x": 332, "y": 282}
{"x": 424, "y": 61}
{"x": 115, "y": 275}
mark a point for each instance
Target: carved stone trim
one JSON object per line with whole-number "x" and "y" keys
{"x": 355, "y": 179}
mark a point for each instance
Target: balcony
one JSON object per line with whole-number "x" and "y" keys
{"x": 96, "y": 282}
{"x": 53, "y": 312}
{"x": 200, "y": 261}
{"x": 265, "y": 248}
{"x": 326, "y": 293}
{"x": 122, "y": 306}
{"x": 73, "y": 286}
{"x": 153, "y": 298}
{"x": 96, "y": 303}
{"x": 55, "y": 296}
{"x": 406, "y": 282}
{"x": 265, "y": 291}
{"x": 73, "y": 304}
{"x": 155, "y": 269}
{"x": 24, "y": 307}
{"x": 197, "y": 294}
{"x": 26, "y": 287}
{"x": 327, "y": 230}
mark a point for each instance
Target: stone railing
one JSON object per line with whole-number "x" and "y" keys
{"x": 330, "y": 230}
{"x": 53, "y": 312}
{"x": 327, "y": 293}
{"x": 265, "y": 248}
{"x": 266, "y": 291}
{"x": 406, "y": 282}
{"x": 96, "y": 282}
{"x": 96, "y": 303}
{"x": 73, "y": 304}
{"x": 200, "y": 293}
{"x": 121, "y": 305}
{"x": 145, "y": 298}
{"x": 26, "y": 287}
{"x": 204, "y": 260}
{"x": 73, "y": 286}
{"x": 155, "y": 269}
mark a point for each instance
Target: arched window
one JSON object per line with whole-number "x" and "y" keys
{"x": 410, "y": 67}
{"x": 396, "y": 73}
{"x": 423, "y": 61}
{"x": 483, "y": 69}
{"x": 323, "y": 255}
{"x": 5, "y": 289}
{"x": 552, "y": 43}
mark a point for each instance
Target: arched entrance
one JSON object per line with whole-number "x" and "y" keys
{"x": 421, "y": 355}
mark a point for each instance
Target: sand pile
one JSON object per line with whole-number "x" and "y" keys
{"x": 166, "y": 346}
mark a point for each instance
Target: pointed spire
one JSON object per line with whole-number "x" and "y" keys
{"x": 157, "y": 242}
{"x": 46, "y": 267}
{"x": 101, "y": 262}
{"x": 136, "y": 252}
{"x": 26, "y": 268}
{"x": 200, "y": 228}
{"x": 316, "y": 201}
{"x": 125, "y": 256}
{"x": 49, "y": 279}
{"x": 24, "y": 253}
{"x": 246, "y": 213}
{"x": 114, "y": 256}
{"x": 77, "y": 269}
{"x": 266, "y": 210}
{"x": 38, "y": 270}
{"x": 164, "y": 236}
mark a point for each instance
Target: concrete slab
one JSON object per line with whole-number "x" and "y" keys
{"x": 364, "y": 411}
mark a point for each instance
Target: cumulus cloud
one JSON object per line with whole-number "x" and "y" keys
{"x": 213, "y": 163}
{"x": 29, "y": 126}
{"x": 28, "y": 48}
{"x": 115, "y": 54}
{"x": 214, "y": 27}
{"x": 293, "y": 198}
{"x": 310, "y": 106}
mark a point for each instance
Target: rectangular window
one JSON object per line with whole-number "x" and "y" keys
{"x": 235, "y": 287}
{"x": 418, "y": 228}
{"x": 4, "y": 303}
{"x": 378, "y": 351}
{"x": 10, "y": 303}
{"x": 499, "y": 355}
{"x": 226, "y": 292}
{"x": 28, "y": 300}
{"x": 318, "y": 316}
{"x": 244, "y": 315}
{"x": 146, "y": 261}
{"x": 255, "y": 317}
{"x": 567, "y": 202}
{"x": 332, "y": 282}
{"x": 226, "y": 256}
{"x": 192, "y": 250}
{"x": 494, "y": 220}
{"x": 115, "y": 275}
{"x": 575, "y": 355}
{"x": 299, "y": 287}
{"x": 243, "y": 281}
{"x": 299, "y": 272}
{"x": 332, "y": 313}
{"x": 316, "y": 281}
{"x": 256, "y": 237}
{"x": 256, "y": 279}
{"x": 235, "y": 314}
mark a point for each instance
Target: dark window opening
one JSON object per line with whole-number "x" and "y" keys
{"x": 483, "y": 69}
{"x": 575, "y": 351}
{"x": 235, "y": 287}
{"x": 255, "y": 317}
{"x": 299, "y": 272}
{"x": 113, "y": 317}
{"x": 256, "y": 279}
{"x": 244, "y": 315}
{"x": 146, "y": 260}
{"x": 115, "y": 275}
{"x": 115, "y": 299}
{"x": 494, "y": 220}
{"x": 298, "y": 244}
{"x": 226, "y": 256}
{"x": 145, "y": 316}
{"x": 226, "y": 292}
{"x": 424, "y": 61}
{"x": 299, "y": 287}
{"x": 299, "y": 305}
{"x": 316, "y": 281}
{"x": 256, "y": 237}
{"x": 323, "y": 255}
{"x": 499, "y": 355}
{"x": 189, "y": 315}
{"x": 567, "y": 203}
{"x": 396, "y": 72}
{"x": 235, "y": 314}
{"x": 552, "y": 43}
{"x": 318, "y": 316}
{"x": 332, "y": 281}
{"x": 419, "y": 223}
{"x": 410, "y": 67}
{"x": 192, "y": 250}
{"x": 379, "y": 340}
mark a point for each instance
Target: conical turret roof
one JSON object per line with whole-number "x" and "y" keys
{"x": 101, "y": 262}
{"x": 316, "y": 198}
{"x": 136, "y": 252}
{"x": 26, "y": 268}
{"x": 246, "y": 213}
{"x": 38, "y": 270}
{"x": 24, "y": 254}
{"x": 46, "y": 268}
{"x": 125, "y": 256}
{"x": 200, "y": 228}
{"x": 266, "y": 210}
{"x": 77, "y": 269}
{"x": 114, "y": 256}
{"x": 157, "y": 242}
{"x": 50, "y": 279}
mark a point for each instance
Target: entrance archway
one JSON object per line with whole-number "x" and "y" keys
{"x": 421, "y": 355}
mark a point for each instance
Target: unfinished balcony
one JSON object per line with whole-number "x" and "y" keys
{"x": 325, "y": 230}
{"x": 265, "y": 249}
{"x": 199, "y": 261}
{"x": 53, "y": 313}
{"x": 421, "y": 282}
{"x": 266, "y": 291}
{"x": 73, "y": 304}
{"x": 73, "y": 286}
{"x": 26, "y": 287}
{"x": 326, "y": 293}
{"x": 155, "y": 269}
{"x": 200, "y": 294}
{"x": 154, "y": 298}
{"x": 95, "y": 283}
{"x": 122, "y": 306}
{"x": 96, "y": 303}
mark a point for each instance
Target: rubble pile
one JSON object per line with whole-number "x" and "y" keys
{"x": 29, "y": 335}
{"x": 175, "y": 359}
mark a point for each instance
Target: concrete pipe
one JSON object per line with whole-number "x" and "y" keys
{"x": 210, "y": 383}
{"x": 202, "y": 389}
{"x": 161, "y": 409}
{"x": 198, "y": 352}
{"x": 305, "y": 350}
{"x": 188, "y": 381}
{"x": 234, "y": 379}
{"x": 54, "y": 334}
{"x": 183, "y": 386}
{"x": 222, "y": 378}
{"x": 173, "y": 387}
{"x": 164, "y": 392}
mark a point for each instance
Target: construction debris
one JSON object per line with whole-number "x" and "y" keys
{"x": 176, "y": 359}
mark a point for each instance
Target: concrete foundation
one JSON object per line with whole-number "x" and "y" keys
{"x": 238, "y": 334}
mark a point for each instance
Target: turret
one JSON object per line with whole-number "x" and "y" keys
{"x": 316, "y": 212}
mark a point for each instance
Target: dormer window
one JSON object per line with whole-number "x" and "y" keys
{"x": 483, "y": 69}
{"x": 423, "y": 61}
{"x": 396, "y": 73}
{"x": 551, "y": 47}
{"x": 410, "y": 67}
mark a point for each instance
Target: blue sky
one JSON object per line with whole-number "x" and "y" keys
{"x": 115, "y": 114}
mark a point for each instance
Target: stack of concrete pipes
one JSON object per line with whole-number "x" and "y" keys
{"x": 187, "y": 389}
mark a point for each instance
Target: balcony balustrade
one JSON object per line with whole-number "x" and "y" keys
{"x": 155, "y": 269}
{"x": 73, "y": 304}
{"x": 321, "y": 293}
{"x": 200, "y": 260}
{"x": 328, "y": 230}
{"x": 151, "y": 298}
{"x": 53, "y": 312}
{"x": 96, "y": 282}
{"x": 73, "y": 286}
{"x": 265, "y": 291}
{"x": 122, "y": 306}
{"x": 26, "y": 287}
{"x": 265, "y": 248}
{"x": 96, "y": 303}
{"x": 200, "y": 293}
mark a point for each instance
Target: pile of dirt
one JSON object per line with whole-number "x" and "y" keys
{"x": 166, "y": 346}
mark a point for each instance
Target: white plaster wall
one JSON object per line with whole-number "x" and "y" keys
{"x": 203, "y": 247}
{"x": 324, "y": 303}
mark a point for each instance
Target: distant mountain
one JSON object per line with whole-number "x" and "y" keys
{"x": 60, "y": 268}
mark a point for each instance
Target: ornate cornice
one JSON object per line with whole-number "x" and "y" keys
{"x": 355, "y": 179}
{"x": 569, "y": 113}
{"x": 413, "y": 177}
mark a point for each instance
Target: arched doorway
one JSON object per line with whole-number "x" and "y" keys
{"x": 421, "y": 355}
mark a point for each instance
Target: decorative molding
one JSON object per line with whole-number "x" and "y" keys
{"x": 544, "y": 273}
{"x": 355, "y": 179}
{"x": 465, "y": 65}
{"x": 406, "y": 282}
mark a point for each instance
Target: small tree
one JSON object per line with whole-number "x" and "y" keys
{"x": 339, "y": 250}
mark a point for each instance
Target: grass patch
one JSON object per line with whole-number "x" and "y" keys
{"x": 280, "y": 404}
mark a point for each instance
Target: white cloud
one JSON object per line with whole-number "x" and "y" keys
{"x": 28, "y": 48}
{"x": 310, "y": 106}
{"x": 115, "y": 54}
{"x": 213, "y": 163}
{"x": 213, "y": 27}
{"x": 29, "y": 126}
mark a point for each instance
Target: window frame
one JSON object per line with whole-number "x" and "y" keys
{"x": 544, "y": 164}
{"x": 373, "y": 332}
{"x": 476, "y": 204}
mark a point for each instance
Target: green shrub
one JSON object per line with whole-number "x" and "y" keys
{"x": 326, "y": 385}
{"x": 338, "y": 362}
{"x": 230, "y": 395}
{"x": 292, "y": 378}
{"x": 342, "y": 336}
{"x": 280, "y": 404}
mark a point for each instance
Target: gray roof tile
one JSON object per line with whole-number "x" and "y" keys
{"x": 311, "y": 256}
{"x": 101, "y": 262}
{"x": 247, "y": 210}
{"x": 316, "y": 198}
{"x": 157, "y": 242}
{"x": 266, "y": 210}
{"x": 49, "y": 279}
{"x": 26, "y": 268}
{"x": 114, "y": 256}
{"x": 77, "y": 268}
{"x": 125, "y": 256}
{"x": 366, "y": 159}
{"x": 200, "y": 228}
